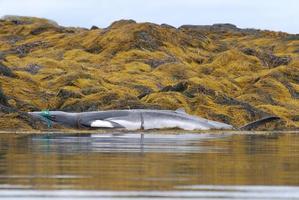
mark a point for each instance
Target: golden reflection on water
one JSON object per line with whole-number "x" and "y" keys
{"x": 126, "y": 164}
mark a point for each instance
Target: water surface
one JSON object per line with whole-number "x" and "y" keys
{"x": 153, "y": 165}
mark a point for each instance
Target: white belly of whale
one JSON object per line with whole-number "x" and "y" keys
{"x": 102, "y": 124}
{"x": 129, "y": 125}
{"x": 159, "y": 124}
{"x": 167, "y": 123}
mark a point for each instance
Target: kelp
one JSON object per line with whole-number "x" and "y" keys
{"x": 219, "y": 72}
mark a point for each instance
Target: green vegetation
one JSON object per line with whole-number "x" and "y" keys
{"x": 219, "y": 72}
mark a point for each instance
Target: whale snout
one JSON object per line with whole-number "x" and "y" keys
{"x": 55, "y": 117}
{"x": 36, "y": 115}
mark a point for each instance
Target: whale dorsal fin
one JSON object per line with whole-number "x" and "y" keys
{"x": 180, "y": 110}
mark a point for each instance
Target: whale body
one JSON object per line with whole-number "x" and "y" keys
{"x": 131, "y": 119}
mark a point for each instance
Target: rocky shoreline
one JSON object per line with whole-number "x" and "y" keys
{"x": 219, "y": 72}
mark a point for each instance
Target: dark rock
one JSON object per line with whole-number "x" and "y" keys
{"x": 198, "y": 60}
{"x": 94, "y": 28}
{"x": 292, "y": 37}
{"x": 39, "y": 30}
{"x": 207, "y": 70}
{"x": 12, "y": 39}
{"x": 95, "y": 49}
{"x": 143, "y": 91}
{"x": 5, "y": 109}
{"x": 107, "y": 99}
{"x": 268, "y": 59}
{"x": 219, "y": 29}
{"x": 143, "y": 95}
{"x": 254, "y": 112}
{"x": 222, "y": 118}
{"x": 291, "y": 89}
{"x": 295, "y": 118}
{"x": 194, "y": 38}
{"x": 195, "y": 89}
{"x": 33, "y": 68}
{"x": 91, "y": 90}
{"x": 296, "y": 51}
{"x": 180, "y": 87}
{"x": 92, "y": 108}
{"x": 3, "y": 99}
{"x": 156, "y": 63}
{"x": 147, "y": 39}
{"x": 5, "y": 71}
{"x": 222, "y": 99}
{"x": 44, "y": 28}
{"x": 249, "y": 51}
{"x": 214, "y": 27}
{"x": 2, "y": 55}
{"x": 225, "y": 26}
{"x": 68, "y": 30}
{"x": 24, "y": 49}
{"x": 65, "y": 94}
{"x": 19, "y": 22}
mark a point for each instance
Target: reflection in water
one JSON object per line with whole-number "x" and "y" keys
{"x": 159, "y": 143}
{"x": 203, "y": 192}
{"x": 180, "y": 165}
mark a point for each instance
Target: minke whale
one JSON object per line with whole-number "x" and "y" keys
{"x": 136, "y": 119}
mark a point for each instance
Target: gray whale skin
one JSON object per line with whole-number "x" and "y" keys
{"x": 137, "y": 119}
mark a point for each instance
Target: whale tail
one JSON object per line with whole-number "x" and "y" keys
{"x": 259, "y": 122}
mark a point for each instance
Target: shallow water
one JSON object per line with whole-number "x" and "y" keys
{"x": 150, "y": 166}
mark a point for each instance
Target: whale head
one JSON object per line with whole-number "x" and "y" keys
{"x": 55, "y": 117}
